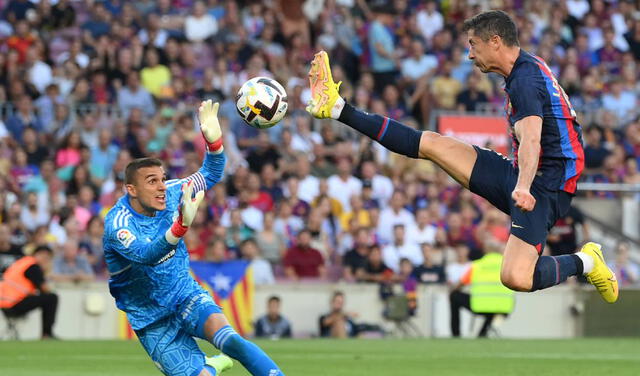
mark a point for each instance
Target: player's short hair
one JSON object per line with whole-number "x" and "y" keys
{"x": 493, "y": 22}
{"x": 136, "y": 164}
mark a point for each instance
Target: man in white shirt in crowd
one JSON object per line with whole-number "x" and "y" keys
{"x": 399, "y": 249}
{"x": 308, "y": 185}
{"x": 381, "y": 185}
{"x": 393, "y": 215}
{"x": 422, "y": 231}
{"x": 344, "y": 185}
{"x": 200, "y": 25}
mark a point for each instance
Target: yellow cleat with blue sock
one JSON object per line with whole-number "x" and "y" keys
{"x": 220, "y": 362}
{"x": 324, "y": 92}
{"x": 601, "y": 276}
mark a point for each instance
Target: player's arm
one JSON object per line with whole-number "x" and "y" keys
{"x": 528, "y": 131}
{"x": 527, "y": 95}
{"x": 127, "y": 244}
{"x": 213, "y": 165}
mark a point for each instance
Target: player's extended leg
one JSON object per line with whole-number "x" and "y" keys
{"x": 455, "y": 157}
{"x": 217, "y": 330}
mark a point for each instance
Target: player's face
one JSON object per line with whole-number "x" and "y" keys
{"x": 480, "y": 52}
{"x": 149, "y": 189}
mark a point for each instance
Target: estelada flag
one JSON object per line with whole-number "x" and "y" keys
{"x": 231, "y": 285}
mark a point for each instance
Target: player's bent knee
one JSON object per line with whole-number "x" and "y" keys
{"x": 515, "y": 281}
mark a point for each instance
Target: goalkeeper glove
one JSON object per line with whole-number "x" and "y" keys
{"x": 209, "y": 125}
{"x": 186, "y": 213}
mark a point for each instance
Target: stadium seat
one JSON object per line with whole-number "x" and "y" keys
{"x": 397, "y": 311}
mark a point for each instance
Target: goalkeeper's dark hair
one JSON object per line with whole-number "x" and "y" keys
{"x": 136, "y": 164}
{"x": 493, "y": 22}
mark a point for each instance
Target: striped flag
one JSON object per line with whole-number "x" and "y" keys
{"x": 231, "y": 285}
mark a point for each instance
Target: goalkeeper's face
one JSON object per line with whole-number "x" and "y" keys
{"x": 149, "y": 190}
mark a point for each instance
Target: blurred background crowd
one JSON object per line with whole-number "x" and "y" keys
{"x": 86, "y": 86}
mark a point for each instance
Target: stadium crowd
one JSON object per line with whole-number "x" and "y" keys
{"x": 87, "y": 86}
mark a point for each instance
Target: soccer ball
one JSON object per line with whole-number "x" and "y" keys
{"x": 261, "y": 102}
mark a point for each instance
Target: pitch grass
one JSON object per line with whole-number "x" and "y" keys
{"x": 582, "y": 357}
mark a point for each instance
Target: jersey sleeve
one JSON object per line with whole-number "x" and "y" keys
{"x": 527, "y": 98}
{"x": 127, "y": 242}
{"x": 206, "y": 177}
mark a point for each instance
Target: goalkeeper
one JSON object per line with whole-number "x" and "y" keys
{"x": 149, "y": 267}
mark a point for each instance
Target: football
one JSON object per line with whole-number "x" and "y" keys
{"x": 261, "y": 102}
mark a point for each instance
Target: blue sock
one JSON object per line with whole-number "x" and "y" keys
{"x": 391, "y": 134}
{"x": 553, "y": 270}
{"x": 211, "y": 370}
{"x": 251, "y": 356}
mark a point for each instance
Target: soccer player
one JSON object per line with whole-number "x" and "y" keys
{"x": 149, "y": 266}
{"x": 535, "y": 189}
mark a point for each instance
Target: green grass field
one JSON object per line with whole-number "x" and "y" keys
{"x": 582, "y": 357}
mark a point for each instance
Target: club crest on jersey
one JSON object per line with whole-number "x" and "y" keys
{"x": 125, "y": 237}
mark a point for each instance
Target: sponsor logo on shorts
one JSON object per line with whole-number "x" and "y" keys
{"x": 125, "y": 237}
{"x": 516, "y": 226}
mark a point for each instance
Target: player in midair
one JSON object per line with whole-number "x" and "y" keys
{"x": 149, "y": 266}
{"x": 535, "y": 189}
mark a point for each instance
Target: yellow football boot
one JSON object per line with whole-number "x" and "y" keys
{"x": 601, "y": 276}
{"x": 220, "y": 362}
{"x": 324, "y": 92}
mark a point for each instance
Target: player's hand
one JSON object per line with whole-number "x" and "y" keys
{"x": 210, "y": 126}
{"x": 524, "y": 199}
{"x": 186, "y": 211}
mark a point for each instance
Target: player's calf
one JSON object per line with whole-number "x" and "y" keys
{"x": 247, "y": 353}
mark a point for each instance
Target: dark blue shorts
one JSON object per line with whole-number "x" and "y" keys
{"x": 494, "y": 177}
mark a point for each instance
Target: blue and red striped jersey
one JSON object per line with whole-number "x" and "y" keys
{"x": 532, "y": 90}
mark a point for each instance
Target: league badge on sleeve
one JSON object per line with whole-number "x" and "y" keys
{"x": 125, "y": 237}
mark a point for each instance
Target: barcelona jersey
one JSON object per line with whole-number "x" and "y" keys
{"x": 532, "y": 90}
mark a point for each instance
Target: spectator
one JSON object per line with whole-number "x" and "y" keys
{"x": 469, "y": 98}
{"x": 429, "y": 272}
{"x": 9, "y": 252}
{"x": 383, "y": 54}
{"x": 308, "y": 185}
{"x": 71, "y": 266}
{"x": 216, "y": 252}
{"x": 133, "y": 96}
{"x": 262, "y": 272}
{"x": 422, "y": 232}
{"x": 24, "y": 118}
{"x": 354, "y": 262}
{"x": 394, "y": 215}
{"x": 338, "y": 323}
{"x": 273, "y": 325}
{"x": 237, "y": 231}
{"x": 627, "y": 271}
{"x": 24, "y": 288}
{"x": 418, "y": 64}
{"x": 381, "y": 185}
{"x": 621, "y": 102}
{"x": 271, "y": 243}
{"x": 200, "y": 25}
{"x": 445, "y": 89}
{"x": 286, "y": 223}
{"x": 344, "y": 185}
{"x": 91, "y": 245}
{"x": 456, "y": 269}
{"x": 399, "y": 248}
{"x": 429, "y": 20}
{"x": 32, "y": 214}
{"x": 155, "y": 77}
{"x": 302, "y": 261}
